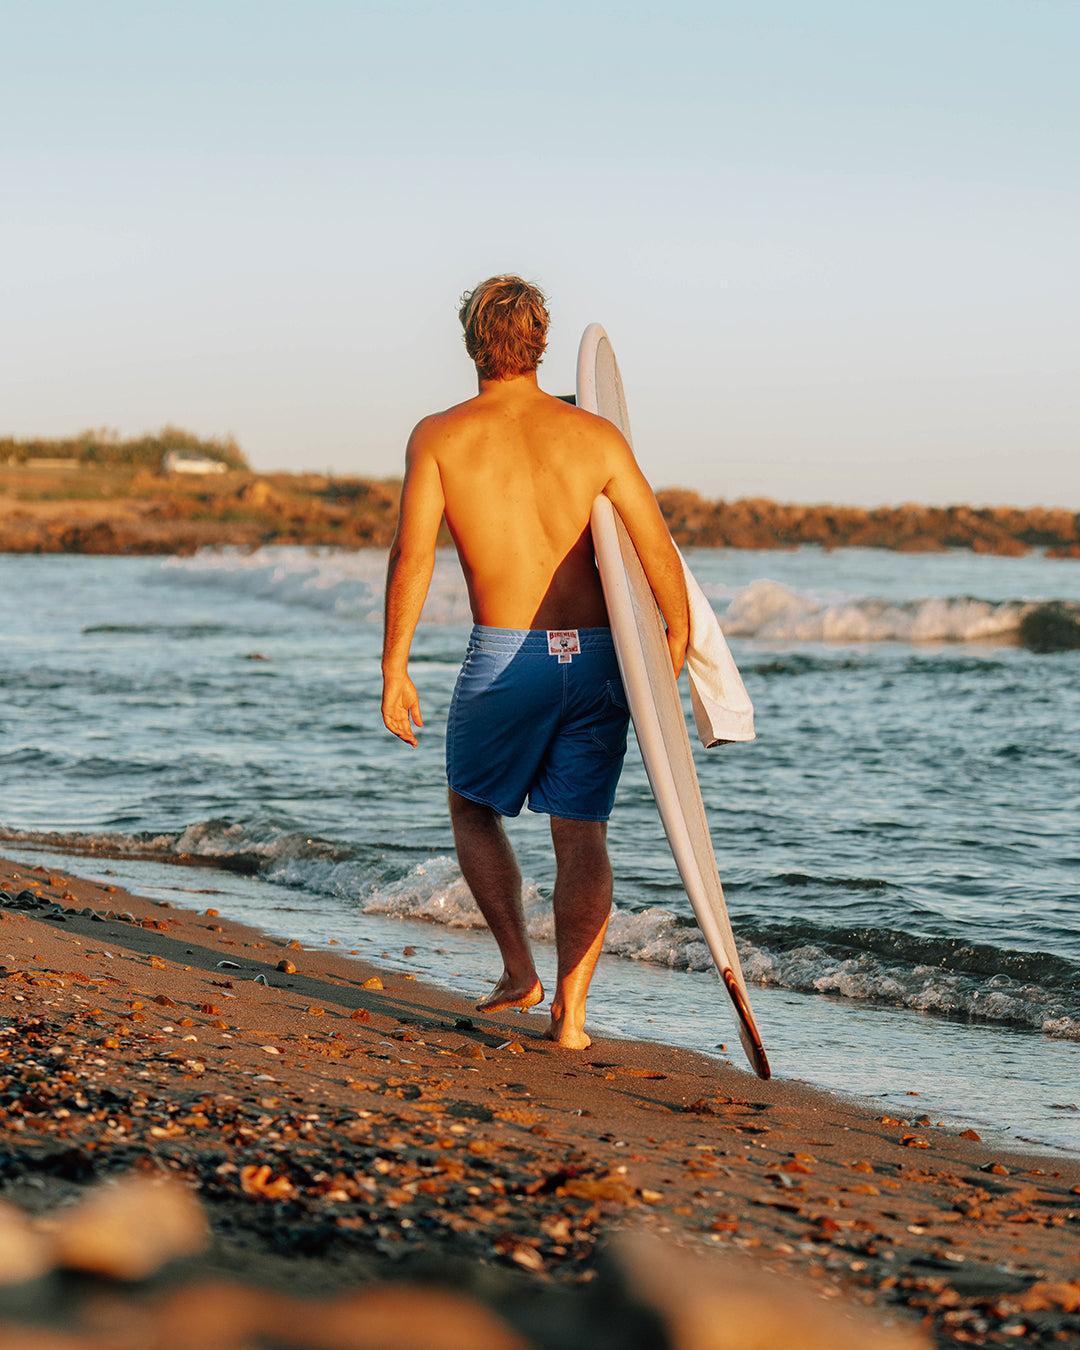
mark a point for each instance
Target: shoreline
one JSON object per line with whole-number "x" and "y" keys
{"x": 435, "y": 1129}
{"x": 58, "y": 505}
{"x": 447, "y": 958}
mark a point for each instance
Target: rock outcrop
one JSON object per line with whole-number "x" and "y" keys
{"x": 757, "y": 522}
{"x": 96, "y": 510}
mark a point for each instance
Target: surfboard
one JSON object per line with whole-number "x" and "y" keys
{"x": 653, "y": 696}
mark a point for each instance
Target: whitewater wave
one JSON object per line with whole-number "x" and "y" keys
{"x": 350, "y": 585}
{"x": 436, "y": 892}
{"x": 335, "y": 581}
{"x": 770, "y": 611}
{"x": 947, "y": 976}
{"x": 230, "y": 845}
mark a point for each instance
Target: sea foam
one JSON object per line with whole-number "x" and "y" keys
{"x": 350, "y": 585}
{"x": 941, "y": 975}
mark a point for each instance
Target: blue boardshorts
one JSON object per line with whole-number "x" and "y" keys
{"x": 539, "y": 715}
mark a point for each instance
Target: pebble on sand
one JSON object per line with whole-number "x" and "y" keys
{"x": 703, "y": 1310}
{"x": 24, "y": 1253}
{"x": 130, "y": 1229}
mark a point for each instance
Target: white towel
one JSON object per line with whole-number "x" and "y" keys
{"x": 722, "y": 708}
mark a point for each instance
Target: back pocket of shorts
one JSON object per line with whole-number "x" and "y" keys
{"x": 617, "y": 694}
{"x": 609, "y": 729}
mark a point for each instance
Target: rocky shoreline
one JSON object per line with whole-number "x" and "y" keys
{"x": 112, "y": 511}
{"x": 760, "y": 523}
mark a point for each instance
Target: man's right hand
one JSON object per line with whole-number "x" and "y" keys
{"x": 677, "y": 644}
{"x": 401, "y": 707}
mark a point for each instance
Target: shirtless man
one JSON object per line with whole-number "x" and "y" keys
{"x": 515, "y": 471}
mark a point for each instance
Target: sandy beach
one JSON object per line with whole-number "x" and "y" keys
{"x": 341, "y": 1124}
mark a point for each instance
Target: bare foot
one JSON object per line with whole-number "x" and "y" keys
{"x": 509, "y": 993}
{"x": 567, "y": 1036}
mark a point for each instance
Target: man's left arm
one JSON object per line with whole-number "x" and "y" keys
{"x": 408, "y": 576}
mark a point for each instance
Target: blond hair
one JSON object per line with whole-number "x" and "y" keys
{"x": 505, "y": 321}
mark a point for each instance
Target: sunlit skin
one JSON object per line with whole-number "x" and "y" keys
{"x": 515, "y": 472}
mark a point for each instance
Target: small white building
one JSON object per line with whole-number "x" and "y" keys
{"x": 182, "y": 461}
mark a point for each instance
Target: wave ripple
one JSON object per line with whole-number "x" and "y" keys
{"x": 941, "y": 975}
{"x": 774, "y": 612}
{"x": 349, "y": 584}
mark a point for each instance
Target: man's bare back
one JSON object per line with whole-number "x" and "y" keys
{"x": 520, "y": 471}
{"x": 515, "y": 471}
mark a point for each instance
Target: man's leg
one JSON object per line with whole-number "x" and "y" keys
{"x": 489, "y": 867}
{"x": 582, "y": 903}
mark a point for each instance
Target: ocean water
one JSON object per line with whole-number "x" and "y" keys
{"x": 900, "y": 847}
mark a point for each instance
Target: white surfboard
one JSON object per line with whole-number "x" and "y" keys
{"x": 645, "y": 664}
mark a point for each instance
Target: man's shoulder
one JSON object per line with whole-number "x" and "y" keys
{"x": 592, "y": 424}
{"x": 596, "y": 436}
{"x": 580, "y": 426}
{"x": 441, "y": 427}
{"x": 575, "y": 428}
{"x": 444, "y": 417}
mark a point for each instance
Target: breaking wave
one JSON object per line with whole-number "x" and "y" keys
{"x": 939, "y": 975}
{"x": 948, "y": 976}
{"x": 232, "y": 846}
{"x": 339, "y": 582}
{"x": 771, "y": 611}
{"x": 350, "y": 584}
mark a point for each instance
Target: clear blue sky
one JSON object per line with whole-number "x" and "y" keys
{"x": 835, "y": 243}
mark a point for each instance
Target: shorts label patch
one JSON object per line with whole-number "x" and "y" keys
{"x": 563, "y": 643}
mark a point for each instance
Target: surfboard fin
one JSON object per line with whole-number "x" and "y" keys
{"x": 748, "y": 1032}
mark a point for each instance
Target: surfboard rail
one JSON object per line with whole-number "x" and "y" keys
{"x": 655, "y": 706}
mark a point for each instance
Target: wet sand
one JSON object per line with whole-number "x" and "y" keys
{"x": 343, "y": 1123}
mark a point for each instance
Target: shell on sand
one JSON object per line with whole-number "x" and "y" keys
{"x": 24, "y": 1253}
{"x": 129, "y": 1230}
{"x": 727, "y": 1304}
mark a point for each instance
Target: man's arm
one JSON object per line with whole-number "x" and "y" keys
{"x": 629, "y": 492}
{"x": 408, "y": 575}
